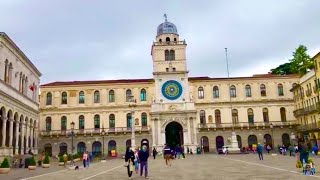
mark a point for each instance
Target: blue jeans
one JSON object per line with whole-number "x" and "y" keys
{"x": 144, "y": 164}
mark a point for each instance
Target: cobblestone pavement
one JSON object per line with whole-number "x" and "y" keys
{"x": 194, "y": 167}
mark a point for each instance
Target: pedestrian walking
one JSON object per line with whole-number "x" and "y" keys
{"x": 268, "y": 148}
{"x": 167, "y": 154}
{"x": 89, "y": 158}
{"x": 65, "y": 159}
{"x": 154, "y": 153}
{"x": 259, "y": 150}
{"x": 315, "y": 150}
{"x": 143, "y": 156}
{"x": 182, "y": 151}
{"x": 290, "y": 150}
{"x": 84, "y": 159}
{"x": 129, "y": 161}
{"x": 178, "y": 151}
{"x": 136, "y": 160}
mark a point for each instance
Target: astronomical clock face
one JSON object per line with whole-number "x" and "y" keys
{"x": 171, "y": 90}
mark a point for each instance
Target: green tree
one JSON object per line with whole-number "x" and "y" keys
{"x": 299, "y": 64}
{"x": 283, "y": 69}
{"x": 301, "y": 61}
{"x": 5, "y": 163}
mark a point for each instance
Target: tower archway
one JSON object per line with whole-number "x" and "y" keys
{"x": 174, "y": 134}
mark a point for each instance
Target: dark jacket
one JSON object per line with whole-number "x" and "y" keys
{"x": 259, "y": 148}
{"x": 167, "y": 150}
{"x": 129, "y": 155}
{"x": 143, "y": 155}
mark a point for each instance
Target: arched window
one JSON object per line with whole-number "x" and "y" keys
{"x": 160, "y": 40}
{"x": 144, "y": 119}
{"x": 49, "y": 98}
{"x": 283, "y": 114}
{"x": 235, "y": 119}
{"x": 81, "y": 122}
{"x": 233, "y": 91}
{"x": 9, "y": 80}
{"x": 265, "y": 113}
{"x": 217, "y": 116}
{"x": 250, "y": 116}
{"x": 248, "y": 91}
{"x": 6, "y": 70}
{"x": 143, "y": 95}
{"x": 97, "y": 121}
{"x": 200, "y": 93}
{"x": 81, "y": 97}
{"x": 111, "y": 96}
{"x": 63, "y": 123}
{"x": 128, "y": 95}
{"x": 280, "y": 90}
{"x": 215, "y": 92}
{"x": 48, "y": 124}
{"x": 202, "y": 117}
{"x": 172, "y": 55}
{"x": 263, "y": 90}
{"x": 167, "y": 39}
{"x": 112, "y": 121}
{"x": 96, "y": 97}
{"x": 129, "y": 120}
{"x": 64, "y": 98}
{"x": 166, "y": 55}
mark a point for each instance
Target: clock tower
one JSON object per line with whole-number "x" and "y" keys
{"x": 173, "y": 106}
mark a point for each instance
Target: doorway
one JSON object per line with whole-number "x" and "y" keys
{"x": 174, "y": 134}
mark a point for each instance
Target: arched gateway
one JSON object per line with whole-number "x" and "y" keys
{"x": 174, "y": 134}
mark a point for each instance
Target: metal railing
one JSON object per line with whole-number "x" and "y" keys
{"x": 95, "y": 131}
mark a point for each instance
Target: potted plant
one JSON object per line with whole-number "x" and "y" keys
{"x": 5, "y": 167}
{"x": 32, "y": 163}
{"x": 46, "y": 162}
{"x": 61, "y": 162}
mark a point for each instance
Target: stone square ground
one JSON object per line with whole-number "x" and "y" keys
{"x": 194, "y": 167}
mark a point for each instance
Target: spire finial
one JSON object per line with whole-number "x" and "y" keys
{"x": 165, "y": 16}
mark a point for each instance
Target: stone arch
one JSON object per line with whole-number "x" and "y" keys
{"x": 286, "y": 139}
{"x": 63, "y": 148}
{"x": 81, "y": 147}
{"x": 15, "y": 131}
{"x": 205, "y": 143}
{"x": 252, "y": 139}
{"x": 174, "y": 134}
{"x": 268, "y": 140}
{"x": 219, "y": 142}
{"x": 112, "y": 145}
{"x": 48, "y": 149}
{"x": 21, "y": 121}
{"x": 96, "y": 148}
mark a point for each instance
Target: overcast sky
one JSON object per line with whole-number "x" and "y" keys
{"x": 96, "y": 39}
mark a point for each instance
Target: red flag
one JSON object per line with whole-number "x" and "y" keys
{"x": 31, "y": 87}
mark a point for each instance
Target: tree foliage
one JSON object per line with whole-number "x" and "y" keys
{"x": 5, "y": 163}
{"x": 299, "y": 64}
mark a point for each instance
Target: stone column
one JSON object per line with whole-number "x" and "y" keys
{"x": 4, "y": 123}
{"x": 22, "y": 137}
{"x": 11, "y": 132}
{"x": 153, "y": 133}
{"x": 17, "y": 137}
{"x": 36, "y": 140}
{"x": 31, "y": 137}
{"x": 27, "y": 136}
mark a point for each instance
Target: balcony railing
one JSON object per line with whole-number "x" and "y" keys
{"x": 95, "y": 131}
{"x": 169, "y": 43}
{"x": 308, "y": 127}
{"x": 245, "y": 124}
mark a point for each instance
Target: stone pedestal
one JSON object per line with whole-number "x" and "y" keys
{"x": 234, "y": 147}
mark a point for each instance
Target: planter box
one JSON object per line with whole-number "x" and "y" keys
{"x": 61, "y": 163}
{"x": 32, "y": 167}
{"x": 4, "y": 170}
{"x": 45, "y": 165}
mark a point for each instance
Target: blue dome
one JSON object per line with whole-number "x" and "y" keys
{"x": 167, "y": 28}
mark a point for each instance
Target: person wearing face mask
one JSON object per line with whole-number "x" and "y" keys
{"x": 143, "y": 156}
{"x": 129, "y": 159}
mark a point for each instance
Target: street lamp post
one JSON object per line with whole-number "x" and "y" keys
{"x": 72, "y": 132}
{"x": 132, "y": 105}
{"x": 103, "y": 132}
{"x": 271, "y": 127}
